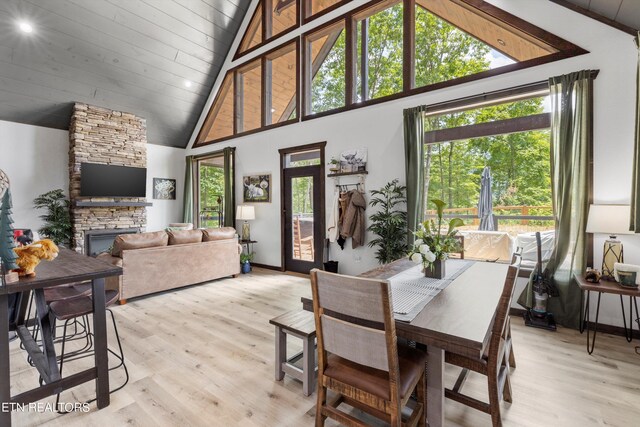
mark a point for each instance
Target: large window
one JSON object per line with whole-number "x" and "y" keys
{"x": 512, "y": 141}
{"x": 219, "y": 122}
{"x": 249, "y": 97}
{"x": 378, "y": 51}
{"x": 325, "y": 69}
{"x": 281, "y": 69}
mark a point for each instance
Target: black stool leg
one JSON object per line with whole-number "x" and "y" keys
{"x": 64, "y": 341}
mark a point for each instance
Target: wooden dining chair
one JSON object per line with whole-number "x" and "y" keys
{"x": 494, "y": 363}
{"x": 358, "y": 354}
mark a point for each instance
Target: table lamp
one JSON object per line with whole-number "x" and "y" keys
{"x": 612, "y": 220}
{"x": 245, "y": 213}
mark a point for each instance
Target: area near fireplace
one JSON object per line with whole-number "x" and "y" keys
{"x": 104, "y": 136}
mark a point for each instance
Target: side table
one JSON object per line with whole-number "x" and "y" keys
{"x": 606, "y": 287}
{"x": 248, "y": 244}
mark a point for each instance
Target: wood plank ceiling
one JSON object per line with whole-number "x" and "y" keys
{"x": 154, "y": 58}
{"x": 625, "y": 12}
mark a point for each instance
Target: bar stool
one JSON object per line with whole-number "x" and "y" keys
{"x": 70, "y": 309}
{"x": 60, "y": 293}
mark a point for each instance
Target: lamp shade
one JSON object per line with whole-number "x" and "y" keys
{"x": 245, "y": 212}
{"x": 609, "y": 219}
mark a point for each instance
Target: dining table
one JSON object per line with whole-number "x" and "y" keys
{"x": 457, "y": 320}
{"x": 68, "y": 268}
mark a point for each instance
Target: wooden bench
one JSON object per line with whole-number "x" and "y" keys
{"x": 300, "y": 324}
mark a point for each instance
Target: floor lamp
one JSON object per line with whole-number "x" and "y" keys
{"x": 612, "y": 220}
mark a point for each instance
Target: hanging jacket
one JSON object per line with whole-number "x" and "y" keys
{"x": 333, "y": 229}
{"x": 353, "y": 224}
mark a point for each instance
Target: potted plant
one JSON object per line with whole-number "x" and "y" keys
{"x": 57, "y": 220}
{"x": 334, "y": 165}
{"x": 431, "y": 247}
{"x": 389, "y": 223}
{"x": 245, "y": 262}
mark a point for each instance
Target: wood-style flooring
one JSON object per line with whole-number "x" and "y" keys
{"x": 203, "y": 356}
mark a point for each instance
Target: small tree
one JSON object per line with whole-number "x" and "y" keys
{"x": 57, "y": 220}
{"x": 389, "y": 223}
{"x": 7, "y": 243}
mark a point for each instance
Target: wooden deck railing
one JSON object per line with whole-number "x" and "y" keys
{"x": 523, "y": 213}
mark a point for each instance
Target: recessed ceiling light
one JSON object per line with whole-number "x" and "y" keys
{"x": 501, "y": 42}
{"x": 273, "y": 110}
{"x": 187, "y": 83}
{"x": 25, "y": 27}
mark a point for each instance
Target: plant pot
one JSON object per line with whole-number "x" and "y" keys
{"x": 331, "y": 266}
{"x": 435, "y": 271}
{"x": 245, "y": 267}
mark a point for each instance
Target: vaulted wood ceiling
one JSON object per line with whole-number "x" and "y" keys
{"x": 625, "y": 12}
{"x": 129, "y": 55}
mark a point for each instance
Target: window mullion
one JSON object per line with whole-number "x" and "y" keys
{"x": 408, "y": 45}
{"x": 364, "y": 59}
{"x": 350, "y": 52}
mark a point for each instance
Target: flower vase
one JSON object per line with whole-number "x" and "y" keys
{"x": 435, "y": 270}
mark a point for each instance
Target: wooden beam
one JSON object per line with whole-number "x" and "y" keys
{"x": 498, "y": 127}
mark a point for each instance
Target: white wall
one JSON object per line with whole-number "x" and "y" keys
{"x": 36, "y": 160}
{"x": 379, "y": 128}
{"x": 164, "y": 162}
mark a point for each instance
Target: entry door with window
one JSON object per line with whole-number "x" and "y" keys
{"x": 303, "y": 210}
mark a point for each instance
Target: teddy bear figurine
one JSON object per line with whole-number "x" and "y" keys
{"x": 29, "y": 256}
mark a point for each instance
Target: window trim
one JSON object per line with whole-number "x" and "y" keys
{"x": 265, "y": 41}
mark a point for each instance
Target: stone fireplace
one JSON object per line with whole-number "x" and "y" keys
{"x": 100, "y": 135}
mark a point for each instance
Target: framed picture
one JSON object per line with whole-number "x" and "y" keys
{"x": 256, "y": 188}
{"x": 353, "y": 160}
{"x": 164, "y": 189}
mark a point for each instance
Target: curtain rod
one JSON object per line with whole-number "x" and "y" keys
{"x": 492, "y": 97}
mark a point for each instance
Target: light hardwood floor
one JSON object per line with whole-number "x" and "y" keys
{"x": 203, "y": 356}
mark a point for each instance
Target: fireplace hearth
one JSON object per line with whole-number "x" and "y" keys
{"x": 99, "y": 241}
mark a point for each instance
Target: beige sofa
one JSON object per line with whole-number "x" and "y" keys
{"x": 158, "y": 261}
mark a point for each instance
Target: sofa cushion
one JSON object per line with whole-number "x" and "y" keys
{"x": 181, "y": 237}
{"x": 139, "y": 241}
{"x": 223, "y": 233}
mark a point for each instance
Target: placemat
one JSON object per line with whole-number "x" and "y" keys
{"x": 411, "y": 291}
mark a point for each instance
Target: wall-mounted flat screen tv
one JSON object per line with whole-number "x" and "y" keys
{"x": 112, "y": 181}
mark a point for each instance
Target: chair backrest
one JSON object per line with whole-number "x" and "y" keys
{"x": 502, "y": 310}
{"x": 354, "y": 320}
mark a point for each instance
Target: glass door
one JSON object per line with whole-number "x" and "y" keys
{"x": 303, "y": 218}
{"x": 210, "y": 192}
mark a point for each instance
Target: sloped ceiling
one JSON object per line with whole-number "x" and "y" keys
{"x": 154, "y": 58}
{"x": 625, "y": 12}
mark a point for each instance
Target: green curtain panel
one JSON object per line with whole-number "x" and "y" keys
{"x": 229, "y": 187}
{"x": 414, "y": 167}
{"x": 635, "y": 183}
{"x": 571, "y": 138}
{"x": 187, "y": 202}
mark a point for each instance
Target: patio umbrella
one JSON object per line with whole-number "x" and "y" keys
{"x": 485, "y": 202}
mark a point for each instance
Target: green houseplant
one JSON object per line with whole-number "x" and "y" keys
{"x": 432, "y": 247}
{"x": 57, "y": 221}
{"x": 245, "y": 262}
{"x": 389, "y": 223}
